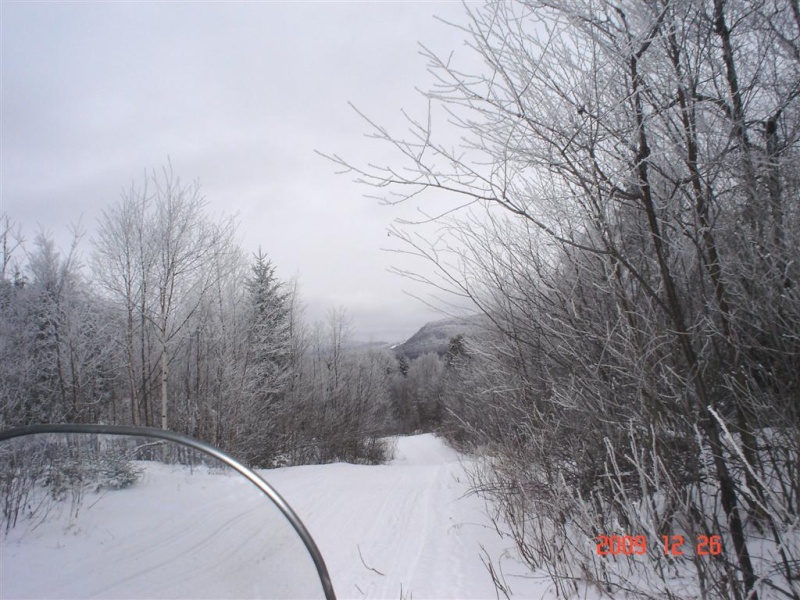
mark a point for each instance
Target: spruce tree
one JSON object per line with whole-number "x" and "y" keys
{"x": 267, "y": 371}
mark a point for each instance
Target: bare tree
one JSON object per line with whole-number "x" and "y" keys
{"x": 338, "y": 400}
{"x": 635, "y": 257}
{"x": 11, "y": 241}
{"x": 151, "y": 254}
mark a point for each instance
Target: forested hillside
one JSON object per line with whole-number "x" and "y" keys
{"x": 435, "y": 337}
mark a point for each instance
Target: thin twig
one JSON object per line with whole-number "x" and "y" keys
{"x": 366, "y": 565}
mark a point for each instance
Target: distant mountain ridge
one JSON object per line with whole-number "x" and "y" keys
{"x": 436, "y": 335}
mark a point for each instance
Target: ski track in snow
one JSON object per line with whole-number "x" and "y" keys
{"x": 412, "y": 520}
{"x": 407, "y": 529}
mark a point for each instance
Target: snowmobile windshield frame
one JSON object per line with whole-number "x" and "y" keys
{"x": 171, "y": 436}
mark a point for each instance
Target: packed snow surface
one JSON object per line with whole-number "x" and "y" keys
{"x": 406, "y": 529}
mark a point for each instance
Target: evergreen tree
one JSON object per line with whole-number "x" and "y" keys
{"x": 267, "y": 370}
{"x": 454, "y": 350}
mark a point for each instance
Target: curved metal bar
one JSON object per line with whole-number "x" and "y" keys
{"x": 178, "y": 438}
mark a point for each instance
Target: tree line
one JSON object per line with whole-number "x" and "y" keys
{"x": 168, "y": 323}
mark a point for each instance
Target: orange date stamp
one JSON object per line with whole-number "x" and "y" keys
{"x": 671, "y": 545}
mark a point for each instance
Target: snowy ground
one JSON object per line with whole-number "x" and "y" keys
{"x": 402, "y": 530}
{"x": 412, "y": 521}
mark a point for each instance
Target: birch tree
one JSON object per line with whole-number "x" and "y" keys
{"x": 152, "y": 251}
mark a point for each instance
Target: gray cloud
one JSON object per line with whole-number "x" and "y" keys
{"x": 238, "y": 95}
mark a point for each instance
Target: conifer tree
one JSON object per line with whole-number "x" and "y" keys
{"x": 267, "y": 369}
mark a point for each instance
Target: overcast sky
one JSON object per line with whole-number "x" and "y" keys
{"x": 238, "y": 96}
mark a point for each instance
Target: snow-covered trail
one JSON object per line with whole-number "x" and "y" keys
{"x": 406, "y": 529}
{"x": 402, "y": 530}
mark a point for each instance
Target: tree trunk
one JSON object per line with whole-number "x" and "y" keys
{"x": 164, "y": 374}
{"x": 727, "y": 486}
